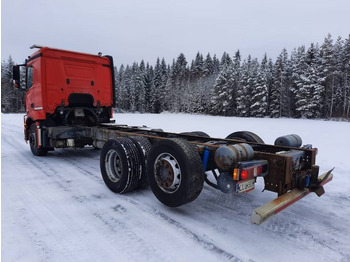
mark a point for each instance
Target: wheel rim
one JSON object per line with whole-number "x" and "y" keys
{"x": 167, "y": 173}
{"x": 113, "y": 166}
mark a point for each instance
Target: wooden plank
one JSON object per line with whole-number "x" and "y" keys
{"x": 270, "y": 209}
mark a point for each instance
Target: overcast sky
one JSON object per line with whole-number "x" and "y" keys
{"x": 132, "y": 30}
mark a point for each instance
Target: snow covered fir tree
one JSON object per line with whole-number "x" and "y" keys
{"x": 310, "y": 82}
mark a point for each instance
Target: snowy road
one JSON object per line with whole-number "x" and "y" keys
{"x": 57, "y": 208}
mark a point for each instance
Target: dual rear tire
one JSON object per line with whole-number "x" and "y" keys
{"x": 123, "y": 162}
{"x": 172, "y": 167}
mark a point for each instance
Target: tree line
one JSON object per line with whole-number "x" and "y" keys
{"x": 311, "y": 82}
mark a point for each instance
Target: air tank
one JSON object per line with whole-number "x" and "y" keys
{"x": 289, "y": 140}
{"x": 226, "y": 156}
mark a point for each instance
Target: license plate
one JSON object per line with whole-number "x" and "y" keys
{"x": 245, "y": 186}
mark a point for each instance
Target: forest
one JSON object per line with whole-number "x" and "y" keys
{"x": 311, "y": 82}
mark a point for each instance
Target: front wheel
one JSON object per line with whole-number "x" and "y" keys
{"x": 33, "y": 142}
{"x": 175, "y": 172}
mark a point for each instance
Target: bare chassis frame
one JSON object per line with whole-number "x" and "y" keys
{"x": 281, "y": 177}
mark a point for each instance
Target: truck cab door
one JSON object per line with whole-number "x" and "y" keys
{"x": 33, "y": 98}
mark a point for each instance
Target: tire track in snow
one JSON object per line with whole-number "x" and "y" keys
{"x": 305, "y": 227}
{"x": 292, "y": 226}
{"x": 177, "y": 226}
{"x": 131, "y": 241}
{"x": 64, "y": 184}
{"x": 67, "y": 157}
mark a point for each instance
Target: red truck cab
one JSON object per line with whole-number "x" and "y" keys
{"x": 65, "y": 88}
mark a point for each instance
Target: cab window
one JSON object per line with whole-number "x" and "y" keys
{"x": 29, "y": 77}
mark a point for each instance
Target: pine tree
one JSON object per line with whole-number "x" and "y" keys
{"x": 12, "y": 99}
{"x": 266, "y": 69}
{"x": 124, "y": 102}
{"x": 223, "y": 86}
{"x": 195, "y": 89}
{"x": 280, "y": 91}
{"x": 182, "y": 94}
{"x": 216, "y": 65}
{"x": 269, "y": 69}
{"x": 245, "y": 88}
{"x": 208, "y": 66}
{"x": 298, "y": 69}
{"x": 197, "y": 68}
{"x": 310, "y": 94}
{"x": 149, "y": 86}
{"x": 236, "y": 75}
{"x": 337, "y": 79}
{"x": 258, "y": 106}
{"x": 346, "y": 78}
{"x": 170, "y": 99}
{"x": 204, "y": 87}
{"x": 327, "y": 68}
{"x": 157, "y": 83}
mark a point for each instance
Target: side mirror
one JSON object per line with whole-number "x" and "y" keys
{"x": 16, "y": 76}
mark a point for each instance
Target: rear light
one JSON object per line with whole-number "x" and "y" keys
{"x": 259, "y": 170}
{"x": 244, "y": 174}
{"x": 236, "y": 174}
{"x": 250, "y": 169}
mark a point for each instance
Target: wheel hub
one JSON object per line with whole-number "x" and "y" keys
{"x": 167, "y": 173}
{"x": 113, "y": 166}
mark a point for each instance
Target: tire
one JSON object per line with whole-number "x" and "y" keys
{"x": 194, "y": 133}
{"x": 33, "y": 141}
{"x": 143, "y": 146}
{"x": 175, "y": 172}
{"x": 120, "y": 165}
{"x": 200, "y": 133}
{"x": 246, "y": 136}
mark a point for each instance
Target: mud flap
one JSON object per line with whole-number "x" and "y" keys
{"x": 270, "y": 209}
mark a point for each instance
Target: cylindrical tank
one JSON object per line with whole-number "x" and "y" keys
{"x": 226, "y": 156}
{"x": 289, "y": 140}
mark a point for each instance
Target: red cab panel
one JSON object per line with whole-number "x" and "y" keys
{"x": 64, "y": 78}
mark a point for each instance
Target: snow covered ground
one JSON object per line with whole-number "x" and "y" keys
{"x": 57, "y": 208}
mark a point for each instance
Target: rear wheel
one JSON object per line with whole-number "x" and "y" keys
{"x": 246, "y": 136}
{"x": 120, "y": 165}
{"x": 143, "y": 146}
{"x": 33, "y": 142}
{"x": 194, "y": 133}
{"x": 175, "y": 172}
{"x": 200, "y": 133}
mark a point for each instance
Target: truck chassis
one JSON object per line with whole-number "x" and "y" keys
{"x": 176, "y": 165}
